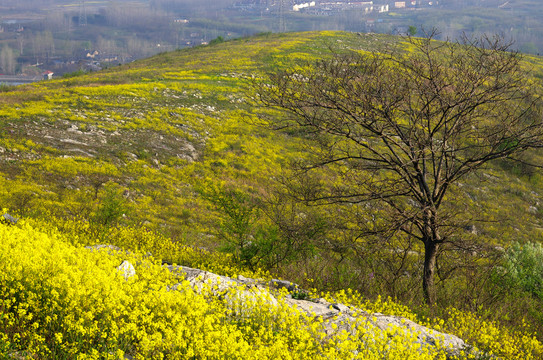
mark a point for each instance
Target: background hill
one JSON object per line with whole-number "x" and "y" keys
{"x": 173, "y": 145}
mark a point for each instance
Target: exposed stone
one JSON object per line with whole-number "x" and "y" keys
{"x": 243, "y": 279}
{"x": 243, "y": 296}
{"x": 126, "y": 269}
{"x": 313, "y": 308}
{"x": 245, "y": 302}
{"x": 279, "y": 284}
{"x": 336, "y": 317}
{"x": 199, "y": 279}
{"x": 341, "y": 307}
{"x": 20, "y": 355}
{"x": 471, "y": 229}
{"x": 8, "y": 219}
{"x": 425, "y": 336}
{"x": 73, "y": 142}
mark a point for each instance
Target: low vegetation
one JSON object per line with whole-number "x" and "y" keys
{"x": 167, "y": 158}
{"x": 60, "y": 300}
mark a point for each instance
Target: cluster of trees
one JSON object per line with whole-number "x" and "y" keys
{"x": 191, "y": 7}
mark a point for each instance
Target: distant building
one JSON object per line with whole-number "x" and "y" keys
{"x": 297, "y": 7}
{"x": 399, "y": 4}
{"x": 93, "y": 54}
{"x": 109, "y": 58}
{"x": 47, "y": 75}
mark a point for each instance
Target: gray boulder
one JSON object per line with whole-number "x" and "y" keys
{"x": 200, "y": 279}
{"x": 335, "y": 317}
{"x": 8, "y": 219}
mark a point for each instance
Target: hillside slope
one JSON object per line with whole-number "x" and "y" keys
{"x": 65, "y": 302}
{"x": 61, "y": 301}
{"x": 159, "y": 126}
{"x": 173, "y": 145}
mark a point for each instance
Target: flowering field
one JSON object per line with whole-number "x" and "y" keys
{"x": 159, "y": 127}
{"x": 144, "y": 157}
{"x": 59, "y": 300}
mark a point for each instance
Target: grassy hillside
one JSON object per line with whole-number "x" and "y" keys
{"x": 160, "y": 126}
{"x": 166, "y": 155}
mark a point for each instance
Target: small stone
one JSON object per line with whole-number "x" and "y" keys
{"x": 8, "y": 219}
{"x": 243, "y": 279}
{"x": 127, "y": 269}
{"x": 341, "y": 307}
{"x": 279, "y": 284}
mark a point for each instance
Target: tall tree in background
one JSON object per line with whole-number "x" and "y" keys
{"x": 8, "y": 60}
{"x": 43, "y": 45}
{"x": 400, "y": 128}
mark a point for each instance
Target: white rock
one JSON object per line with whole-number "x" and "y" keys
{"x": 246, "y": 302}
{"x": 126, "y": 269}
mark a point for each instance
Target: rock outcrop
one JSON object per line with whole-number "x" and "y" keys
{"x": 335, "y": 316}
{"x": 126, "y": 269}
{"x": 8, "y": 219}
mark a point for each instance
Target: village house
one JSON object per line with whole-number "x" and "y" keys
{"x": 47, "y": 75}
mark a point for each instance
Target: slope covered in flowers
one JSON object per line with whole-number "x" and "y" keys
{"x": 131, "y": 157}
{"x": 62, "y": 301}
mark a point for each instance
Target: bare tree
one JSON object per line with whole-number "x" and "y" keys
{"x": 43, "y": 45}
{"x": 8, "y": 60}
{"x": 400, "y": 128}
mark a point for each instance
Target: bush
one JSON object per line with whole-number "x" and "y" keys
{"x": 112, "y": 206}
{"x": 263, "y": 233}
{"x": 73, "y": 74}
{"x": 523, "y": 268}
{"x": 217, "y": 40}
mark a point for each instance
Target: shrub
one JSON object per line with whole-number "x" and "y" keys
{"x": 239, "y": 224}
{"x": 523, "y": 268}
{"x": 217, "y": 40}
{"x": 73, "y": 74}
{"x": 112, "y": 206}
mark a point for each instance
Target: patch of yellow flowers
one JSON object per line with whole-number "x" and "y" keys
{"x": 485, "y": 336}
{"x": 59, "y": 300}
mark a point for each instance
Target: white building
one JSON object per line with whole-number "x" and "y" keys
{"x": 297, "y": 7}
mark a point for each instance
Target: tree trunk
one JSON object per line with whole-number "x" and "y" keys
{"x": 430, "y": 255}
